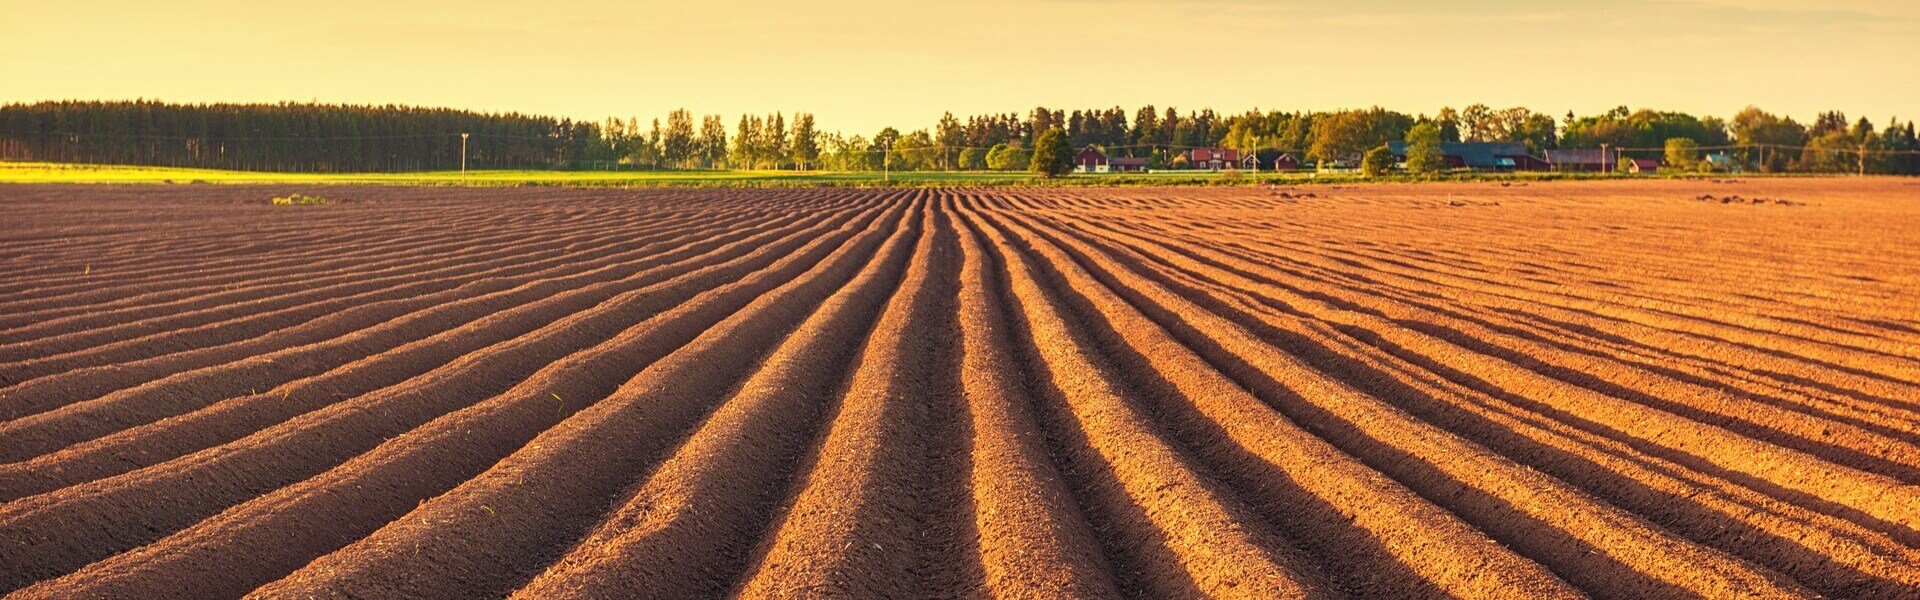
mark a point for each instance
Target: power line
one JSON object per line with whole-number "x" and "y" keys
{"x": 1756, "y": 146}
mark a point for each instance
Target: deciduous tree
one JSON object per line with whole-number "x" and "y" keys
{"x": 1355, "y": 131}
{"x": 1682, "y": 153}
{"x": 1423, "y": 149}
{"x": 1052, "y": 156}
{"x": 713, "y": 141}
{"x": 677, "y": 147}
{"x": 973, "y": 159}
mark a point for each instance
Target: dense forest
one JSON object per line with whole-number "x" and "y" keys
{"x": 287, "y": 137}
{"x": 327, "y": 137}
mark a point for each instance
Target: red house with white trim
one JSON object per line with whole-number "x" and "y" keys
{"x": 1212, "y": 159}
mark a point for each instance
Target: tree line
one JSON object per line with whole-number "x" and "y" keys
{"x": 288, "y": 136}
{"x": 332, "y": 137}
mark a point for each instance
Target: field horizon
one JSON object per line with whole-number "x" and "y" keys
{"x": 78, "y": 173}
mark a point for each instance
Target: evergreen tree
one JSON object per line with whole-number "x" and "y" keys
{"x": 1828, "y": 122}
{"x": 803, "y": 148}
{"x": 743, "y": 142}
{"x": 1146, "y": 126}
{"x": 950, "y": 136}
{"x": 293, "y": 136}
{"x": 1900, "y": 142}
{"x": 1449, "y": 121}
{"x": 658, "y": 146}
{"x": 773, "y": 141}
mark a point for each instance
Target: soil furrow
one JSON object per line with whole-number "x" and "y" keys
{"x": 877, "y": 511}
{"x": 590, "y": 462}
{"x": 359, "y": 324}
{"x": 236, "y": 417}
{"x": 1174, "y": 531}
{"x": 143, "y": 505}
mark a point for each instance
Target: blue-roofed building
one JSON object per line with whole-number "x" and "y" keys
{"x": 1725, "y": 163}
{"x": 1484, "y": 156}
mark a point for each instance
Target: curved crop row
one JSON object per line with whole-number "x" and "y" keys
{"x": 1547, "y": 389}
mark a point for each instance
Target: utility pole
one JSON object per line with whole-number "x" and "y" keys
{"x": 1606, "y": 166}
{"x": 463, "y": 156}
{"x": 886, "y": 161}
{"x": 1254, "y": 152}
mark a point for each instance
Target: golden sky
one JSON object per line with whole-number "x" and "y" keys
{"x": 860, "y": 65}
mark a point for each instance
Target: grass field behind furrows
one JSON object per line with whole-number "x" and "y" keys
{"x": 34, "y": 172}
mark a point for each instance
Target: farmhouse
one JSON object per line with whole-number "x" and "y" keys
{"x": 1348, "y": 161}
{"x": 1721, "y": 161}
{"x": 1212, "y": 159}
{"x": 1090, "y": 160}
{"x": 1640, "y": 165}
{"x": 1481, "y": 156}
{"x": 1124, "y": 164}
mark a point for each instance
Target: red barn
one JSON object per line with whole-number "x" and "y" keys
{"x": 1286, "y": 162}
{"x": 1577, "y": 160}
{"x": 1129, "y": 165}
{"x": 1641, "y": 165}
{"x": 1091, "y": 160}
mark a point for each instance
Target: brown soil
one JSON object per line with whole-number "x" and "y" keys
{"x": 1562, "y": 389}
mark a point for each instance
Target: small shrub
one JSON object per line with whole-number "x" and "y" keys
{"x": 1377, "y": 162}
{"x": 293, "y": 199}
{"x": 1231, "y": 175}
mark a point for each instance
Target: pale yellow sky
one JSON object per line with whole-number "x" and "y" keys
{"x": 860, "y": 65}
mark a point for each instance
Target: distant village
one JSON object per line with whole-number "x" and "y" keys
{"x": 352, "y": 138}
{"x": 1476, "y": 156}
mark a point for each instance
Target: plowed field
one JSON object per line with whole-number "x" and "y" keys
{"x": 1612, "y": 389}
